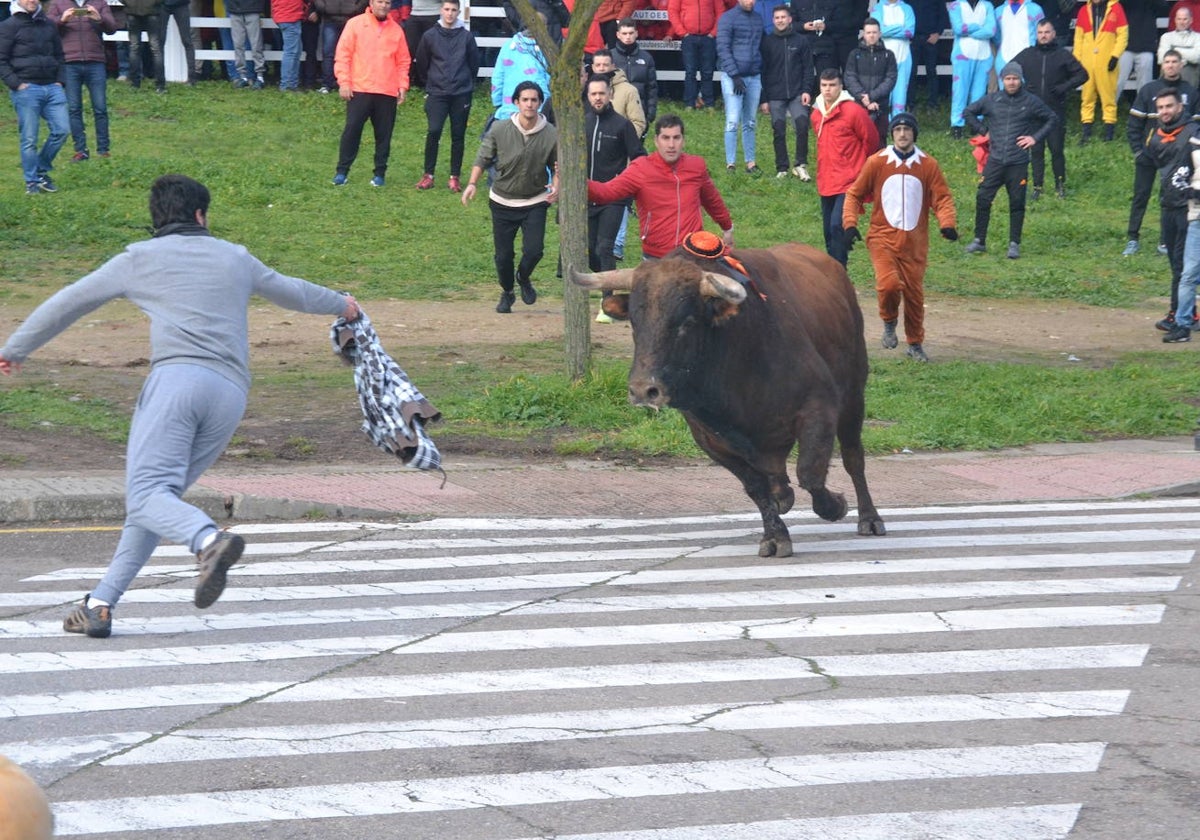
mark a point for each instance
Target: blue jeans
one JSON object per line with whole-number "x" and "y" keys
{"x": 1185, "y": 309}
{"x": 92, "y": 74}
{"x": 331, "y": 31}
{"x": 741, "y": 108}
{"x": 699, "y": 54}
{"x": 289, "y": 69}
{"x": 34, "y": 104}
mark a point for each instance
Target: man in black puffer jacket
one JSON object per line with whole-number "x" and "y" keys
{"x": 1050, "y": 74}
{"x": 448, "y": 60}
{"x": 788, "y": 87}
{"x": 1014, "y": 121}
{"x": 871, "y": 75}
{"x": 32, "y": 65}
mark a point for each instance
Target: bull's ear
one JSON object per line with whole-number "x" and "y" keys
{"x": 616, "y": 307}
{"x": 720, "y": 286}
{"x": 620, "y": 280}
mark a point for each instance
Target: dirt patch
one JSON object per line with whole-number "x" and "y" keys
{"x": 106, "y": 355}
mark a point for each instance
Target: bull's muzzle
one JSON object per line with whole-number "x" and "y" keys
{"x": 647, "y": 392}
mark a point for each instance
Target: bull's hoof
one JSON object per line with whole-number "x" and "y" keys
{"x": 871, "y": 527}
{"x": 829, "y": 506}
{"x": 775, "y": 547}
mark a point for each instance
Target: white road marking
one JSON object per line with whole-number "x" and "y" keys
{"x": 585, "y": 677}
{"x": 363, "y": 798}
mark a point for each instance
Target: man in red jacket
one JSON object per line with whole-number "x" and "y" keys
{"x": 845, "y": 137}
{"x": 670, "y": 187}
{"x": 694, "y": 23}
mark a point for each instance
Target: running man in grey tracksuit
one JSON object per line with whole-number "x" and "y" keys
{"x": 195, "y": 288}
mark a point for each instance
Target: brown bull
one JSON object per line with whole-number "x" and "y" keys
{"x": 755, "y": 371}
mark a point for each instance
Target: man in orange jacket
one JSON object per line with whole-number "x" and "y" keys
{"x": 371, "y": 67}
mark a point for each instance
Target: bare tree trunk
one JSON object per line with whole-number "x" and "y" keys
{"x": 566, "y": 95}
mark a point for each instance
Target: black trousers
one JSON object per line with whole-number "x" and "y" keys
{"x": 1144, "y": 176}
{"x": 437, "y": 110}
{"x": 1174, "y": 234}
{"x": 506, "y": 221}
{"x": 1012, "y": 177}
{"x": 604, "y": 221}
{"x": 1058, "y": 161}
{"x": 380, "y": 109}
{"x": 783, "y": 111}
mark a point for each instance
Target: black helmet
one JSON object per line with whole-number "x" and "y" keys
{"x": 903, "y": 118}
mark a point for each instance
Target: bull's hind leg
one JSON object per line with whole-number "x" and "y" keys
{"x": 850, "y": 439}
{"x": 769, "y": 491}
{"x": 814, "y": 433}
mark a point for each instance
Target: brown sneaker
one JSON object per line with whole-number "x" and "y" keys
{"x": 214, "y": 563}
{"x": 96, "y": 622}
{"x": 426, "y": 182}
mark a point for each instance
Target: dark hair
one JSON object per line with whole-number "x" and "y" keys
{"x": 626, "y": 22}
{"x": 596, "y": 77}
{"x": 1047, "y": 22}
{"x": 1168, "y": 92}
{"x": 455, "y": 2}
{"x": 1173, "y": 52}
{"x": 783, "y": 7}
{"x": 831, "y": 73}
{"x": 668, "y": 121}
{"x": 524, "y": 86}
{"x": 176, "y": 198}
{"x": 870, "y": 22}
{"x": 604, "y": 51}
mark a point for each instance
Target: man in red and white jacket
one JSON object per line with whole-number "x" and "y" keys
{"x": 670, "y": 187}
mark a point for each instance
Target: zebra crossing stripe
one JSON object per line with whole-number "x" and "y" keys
{"x": 357, "y": 736}
{"x": 570, "y": 637}
{"x": 579, "y": 678}
{"x": 364, "y": 798}
{"x": 1034, "y": 822}
{"x": 588, "y": 603}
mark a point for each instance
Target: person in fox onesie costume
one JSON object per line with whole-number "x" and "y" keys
{"x": 904, "y": 184}
{"x": 24, "y": 811}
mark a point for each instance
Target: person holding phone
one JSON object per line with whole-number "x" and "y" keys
{"x": 82, "y": 25}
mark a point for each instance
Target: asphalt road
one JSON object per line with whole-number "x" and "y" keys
{"x": 1008, "y": 672}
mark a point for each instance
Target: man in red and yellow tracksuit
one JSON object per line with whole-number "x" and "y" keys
{"x": 371, "y": 66}
{"x": 1101, "y": 35}
{"x": 904, "y": 184}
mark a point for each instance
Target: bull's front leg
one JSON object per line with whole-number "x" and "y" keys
{"x": 815, "y": 426}
{"x": 769, "y": 492}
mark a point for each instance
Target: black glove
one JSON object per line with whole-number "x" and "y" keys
{"x": 1059, "y": 91}
{"x": 950, "y": 233}
{"x": 1112, "y": 64}
{"x": 849, "y": 236}
{"x": 739, "y": 85}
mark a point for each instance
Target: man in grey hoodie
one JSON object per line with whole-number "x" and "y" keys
{"x": 195, "y": 288}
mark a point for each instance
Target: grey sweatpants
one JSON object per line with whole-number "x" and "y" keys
{"x": 185, "y": 417}
{"x": 244, "y": 28}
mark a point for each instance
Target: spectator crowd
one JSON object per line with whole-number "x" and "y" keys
{"x": 850, "y": 73}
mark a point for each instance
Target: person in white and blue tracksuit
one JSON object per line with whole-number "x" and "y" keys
{"x": 897, "y": 24}
{"x": 195, "y": 288}
{"x": 973, "y": 25}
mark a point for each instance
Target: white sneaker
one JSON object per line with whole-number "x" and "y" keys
{"x": 801, "y": 172}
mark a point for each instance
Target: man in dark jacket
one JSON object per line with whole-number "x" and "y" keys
{"x": 1050, "y": 74}
{"x": 788, "y": 84}
{"x": 612, "y": 143}
{"x": 1142, "y": 121}
{"x": 638, "y": 66}
{"x": 448, "y": 60}
{"x": 82, "y": 30}
{"x": 334, "y": 14}
{"x": 1137, "y": 62}
{"x": 844, "y": 25}
{"x": 143, "y": 16}
{"x": 812, "y": 17}
{"x": 1014, "y": 121}
{"x": 871, "y": 75}
{"x": 31, "y": 64}
{"x": 1170, "y": 152}
{"x": 932, "y": 20}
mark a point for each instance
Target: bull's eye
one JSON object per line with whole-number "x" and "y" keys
{"x": 685, "y": 326}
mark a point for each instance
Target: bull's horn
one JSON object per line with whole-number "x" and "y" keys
{"x": 618, "y": 280}
{"x": 718, "y": 285}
